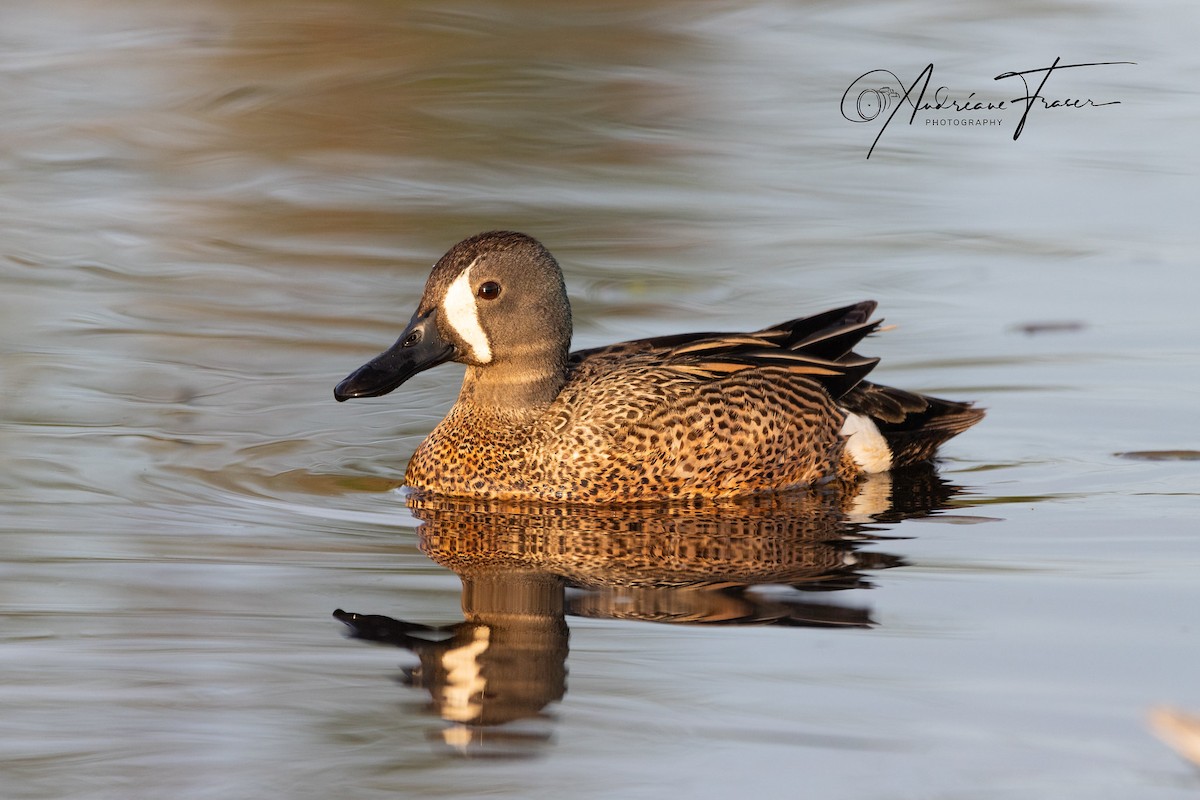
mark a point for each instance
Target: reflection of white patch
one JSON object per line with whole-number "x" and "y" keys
{"x": 462, "y": 314}
{"x": 465, "y": 683}
{"x": 866, "y": 444}
{"x": 874, "y": 497}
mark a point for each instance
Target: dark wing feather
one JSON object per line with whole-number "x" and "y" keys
{"x": 819, "y": 347}
{"x": 800, "y": 331}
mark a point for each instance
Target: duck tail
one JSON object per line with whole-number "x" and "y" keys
{"x": 913, "y": 425}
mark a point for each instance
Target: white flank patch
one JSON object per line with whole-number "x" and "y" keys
{"x": 462, "y": 315}
{"x": 866, "y": 444}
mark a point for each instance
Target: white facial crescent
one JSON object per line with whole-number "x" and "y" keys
{"x": 461, "y": 312}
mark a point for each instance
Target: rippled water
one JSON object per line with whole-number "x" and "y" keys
{"x": 212, "y": 212}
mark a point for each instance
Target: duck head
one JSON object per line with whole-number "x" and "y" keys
{"x": 495, "y": 302}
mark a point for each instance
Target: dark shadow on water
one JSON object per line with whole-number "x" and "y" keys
{"x": 526, "y": 568}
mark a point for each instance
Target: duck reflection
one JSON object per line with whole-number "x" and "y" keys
{"x": 526, "y": 567}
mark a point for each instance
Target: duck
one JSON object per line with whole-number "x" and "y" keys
{"x": 689, "y": 416}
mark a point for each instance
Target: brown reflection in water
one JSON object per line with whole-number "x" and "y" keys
{"x": 401, "y": 124}
{"x": 504, "y": 663}
{"x": 526, "y": 567}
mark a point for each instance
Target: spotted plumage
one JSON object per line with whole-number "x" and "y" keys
{"x": 684, "y": 416}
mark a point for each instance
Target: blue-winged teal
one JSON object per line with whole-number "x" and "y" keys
{"x": 684, "y": 416}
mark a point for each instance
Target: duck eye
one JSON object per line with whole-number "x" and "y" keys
{"x": 489, "y": 290}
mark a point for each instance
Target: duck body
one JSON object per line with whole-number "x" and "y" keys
{"x": 703, "y": 415}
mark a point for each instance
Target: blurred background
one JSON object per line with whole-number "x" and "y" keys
{"x": 211, "y": 212}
